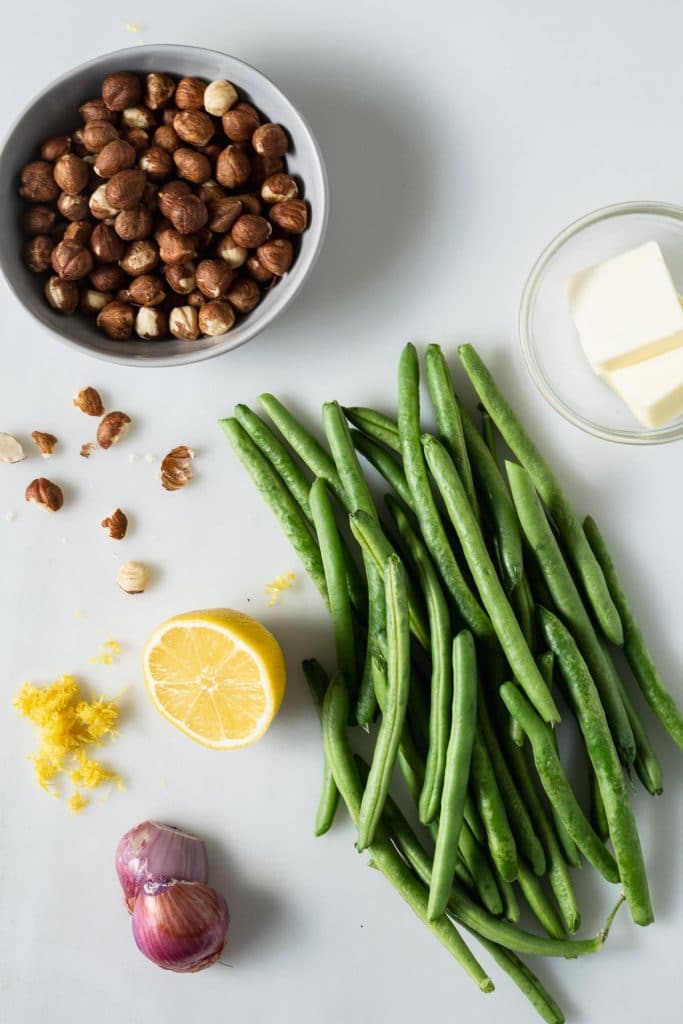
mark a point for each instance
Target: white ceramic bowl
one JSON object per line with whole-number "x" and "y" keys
{"x": 55, "y": 110}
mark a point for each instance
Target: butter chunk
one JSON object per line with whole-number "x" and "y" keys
{"x": 653, "y": 389}
{"x": 626, "y": 309}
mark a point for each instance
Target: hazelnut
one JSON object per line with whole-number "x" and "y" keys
{"x": 244, "y": 295}
{"x": 214, "y": 277}
{"x": 250, "y": 230}
{"x": 107, "y": 278}
{"x": 263, "y": 167}
{"x": 91, "y": 304}
{"x": 96, "y": 110}
{"x": 168, "y": 193}
{"x": 176, "y": 468}
{"x": 196, "y": 298}
{"x": 183, "y": 323}
{"x": 38, "y": 220}
{"x": 37, "y": 253}
{"x": 159, "y": 90}
{"x": 107, "y": 246}
{"x": 133, "y": 577}
{"x": 134, "y": 225}
{"x": 150, "y": 196}
{"x": 291, "y": 216}
{"x": 46, "y": 493}
{"x": 150, "y": 324}
{"x": 180, "y": 277}
{"x": 219, "y": 96}
{"x": 79, "y": 231}
{"x": 116, "y": 155}
{"x": 240, "y": 122}
{"x": 188, "y": 213}
{"x": 215, "y": 317}
{"x": 168, "y": 115}
{"x": 71, "y": 260}
{"x": 88, "y": 401}
{"x": 166, "y": 137}
{"x": 10, "y": 449}
{"x": 114, "y": 426}
{"x": 61, "y": 295}
{"x": 116, "y": 524}
{"x": 223, "y": 213}
{"x": 156, "y": 163}
{"x": 250, "y": 202}
{"x": 138, "y": 117}
{"x": 121, "y": 90}
{"x": 189, "y": 94}
{"x": 146, "y": 290}
{"x": 210, "y": 190}
{"x": 160, "y": 224}
{"x": 116, "y": 320}
{"x": 73, "y": 207}
{"x": 87, "y": 449}
{"x": 78, "y": 143}
{"x": 140, "y": 258}
{"x": 258, "y": 272}
{"x": 276, "y": 255}
{"x": 125, "y": 189}
{"x": 174, "y": 247}
{"x": 234, "y": 255}
{"x": 138, "y": 138}
{"x": 45, "y": 443}
{"x": 191, "y": 165}
{"x": 270, "y": 140}
{"x": 54, "y": 147}
{"x": 203, "y": 238}
{"x": 38, "y": 184}
{"x": 279, "y": 188}
{"x": 99, "y": 205}
{"x": 97, "y": 134}
{"x": 194, "y": 127}
{"x": 233, "y": 167}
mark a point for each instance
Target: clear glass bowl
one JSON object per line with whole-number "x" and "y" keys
{"x": 548, "y": 337}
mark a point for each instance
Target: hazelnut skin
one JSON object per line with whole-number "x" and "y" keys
{"x": 258, "y": 272}
{"x": 214, "y": 277}
{"x": 169, "y": 192}
{"x": 240, "y": 122}
{"x": 73, "y": 207}
{"x": 216, "y": 317}
{"x": 183, "y": 323}
{"x": 150, "y": 324}
{"x": 174, "y": 247}
{"x": 159, "y": 90}
{"x": 71, "y": 260}
{"x": 189, "y": 94}
{"x": 108, "y": 277}
{"x": 156, "y": 163}
{"x": 97, "y": 134}
{"x": 138, "y": 138}
{"x": 121, "y": 90}
{"x": 140, "y": 258}
{"x": 138, "y": 117}
{"x": 61, "y": 295}
{"x": 279, "y": 188}
{"x": 276, "y": 255}
{"x": 107, "y": 246}
{"x": 196, "y": 298}
{"x": 37, "y": 182}
{"x": 166, "y": 137}
{"x": 38, "y": 252}
{"x": 250, "y": 202}
{"x": 117, "y": 155}
{"x": 233, "y": 167}
{"x": 79, "y": 231}
{"x": 244, "y": 295}
{"x": 194, "y": 127}
{"x": 250, "y": 231}
{"x": 191, "y": 165}
{"x": 181, "y": 277}
{"x": 125, "y": 189}
{"x": 188, "y": 214}
{"x": 117, "y": 320}
{"x": 96, "y": 110}
{"x": 270, "y": 140}
{"x": 146, "y": 290}
{"x": 291, "y": 216}
{"x": 93, "y": 302}
{"x": 54, "y": 147}
{"x": 134, "y": 225}
{"x": 38, "y": 220}
{"x": 210, "y": 190}
{"x": 223, "y": 213}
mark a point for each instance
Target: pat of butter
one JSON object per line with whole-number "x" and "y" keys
{"x": 653, "y": 389}
{"x": 626, "y": 309}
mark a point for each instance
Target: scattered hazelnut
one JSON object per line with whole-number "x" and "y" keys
{"x": 38, "y": 253}
{"x": 214, "y": 277}
{"x": 146, "y": 290}
{"x": 188, "y": 214}
{"x": 107, "y": 278}
{"x": 138, "y": 117}
{"x": 233, "y": 167}
{"x": 270, "y": 140}
{"x": 166, "y": 138}
{"x": 133, "y": 577}
{"x": 180, "y": 277}
{"x": 258, "y": 272}
{"x": 244, "y": 295}
{"x": 125, "y": 189}
{"x": 159, "y": 90}
{"x": 183, "y": 323}
{"x": 38, "y": 220}
{"x": 250, "y": 231}
{"x": 194, "y": 127}
{"x": 87, "y": 449}
{"x": 174, "y": 247}
{"x": 234, "y": 255}
{"x": 38, "y": 184}
{"x": 191, "y": 165}
{"x": 88, "y": 401}
{"x": 176, "y": 468}
{"x": 73, "y": 207}
{"x": 150, "y": 323}
{"x": 100, "y": 207}
{"x": 156, "y": 163}
{"x": 121, "y": 90}
{"x": 276, "y": 255}
{"x": 70, "y": 260}
{"x": 216, "y": 317}
{"x": 117, "y": 320}
{"x": 10, "y": 449}
{"x": 97, "y": 134}
{"x": 61, "y": 295}
{"x": 55, "y": 147}
{"x": 138, "y": 138}
{"x": 223, "y": 212}
{"x": 240, "y": 122}
{"x": 117, "y": 155}
{"x": 134, "y": 225}
{"x": 279, "y": 188}
{"x": 116, "y": 524}
{"x": 93, "y": 302}
{"x": 113, "y": 427}
{"x": 140, "y": 257}
{"x": 45, "y": 443}
{"x": 291, "y": 216}
{"x": 169, "y": 192}
{"x": 79, "y": 231}
{"x": 106, "y": 244}
{"x": 189, "y": 94}
{"x": 44, "y": 492}
{"x": 96, "y": 110}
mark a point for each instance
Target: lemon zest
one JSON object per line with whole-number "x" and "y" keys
{"x": 273, "y": 589}
{"x": 107, "y": 654}
{"x": 77, "y": 802}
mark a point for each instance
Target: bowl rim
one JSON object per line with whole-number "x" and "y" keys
{"x": 642, "y": 437}
{"x": 232, "y": 342}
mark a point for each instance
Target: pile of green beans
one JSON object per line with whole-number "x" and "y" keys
{"x": 456, "y": 605}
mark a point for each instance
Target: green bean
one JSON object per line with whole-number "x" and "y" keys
{"x": 543, "y": 910}
{"x": 316, "y": 678}
{"x": 293, "y": 476}
{"x": 473, "y": 820}
{"x": 597, "y": 807}
{"x": 556, "y": 784}
{"x": 480, "y": 869}
{"x": 488, "y": 432}
{"x": 491, "y": 809}
{"x": 635, "y": 649}
{"x": 511, "y": 911}
{"x": 603, "y": 756}
{"x": 306, "y": 446}
{"x": 373, "y": 541}
{"x": 526, "y": 981}
{"x": 427, "y": 513}
{"x": 647, "y": 764}
{"x": 448, "y": 418}
{"x": 384, "y": 856}
{"x": 374, "y": 425}
{"x": 335, "y": 579}
{"x": 496, "y": 603}
{"x": 524, "y": 606}
{"x": 398, "y": 687}
{"x": 386, "y": 464}
{"x": 457, "y": 770}
{"x": 281, "y": 502}
{"x": 409, "y": 759}
{"x": 548, "y": 487}
{"x": 570, "y": 606}
{"x": 441, "y": 657}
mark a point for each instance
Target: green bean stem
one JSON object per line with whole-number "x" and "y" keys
{"x": 317, "y": 680}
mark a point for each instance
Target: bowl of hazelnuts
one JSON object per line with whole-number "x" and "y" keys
{"x": 162, "y": 205}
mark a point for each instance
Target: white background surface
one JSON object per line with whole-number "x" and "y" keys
{"x": 459, "y": 138}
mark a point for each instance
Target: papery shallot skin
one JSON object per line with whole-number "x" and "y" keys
{"x": 180, "y": 926}
{"x": 152, "y": 849}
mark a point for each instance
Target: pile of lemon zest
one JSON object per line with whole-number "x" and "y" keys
{"x": 77, "y": 802}
{"x": 90, "y": 773}
{"x": 273, "y": 589}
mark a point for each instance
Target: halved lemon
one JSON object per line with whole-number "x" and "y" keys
{"x": 217, "y": 675}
